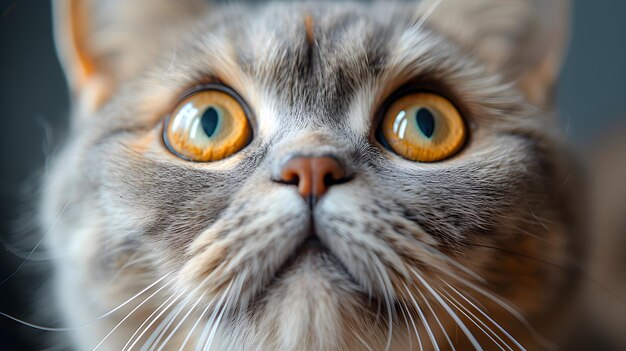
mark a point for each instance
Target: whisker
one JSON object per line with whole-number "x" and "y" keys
{"x": 225, "y": 308}
{"x": 541, "y": 221}
{"x": 386, "y": 287}
{"x": 572, "y": 269}
{"x": 487, "y": 316}
{"x": 478, "y": 323}
{"x": 428, "y": 13}
{"x": 446, "y": 259}
{"x": 30, "y": 254}
{"x": 129, "y": 314}
{"x": 164, "y": 326}
{"x": 172, "y": 317}
{"x": 360, "y": 339}
{"x": 50, "y": 329}
{"x": 173, "y": 299}
{"x": 433, "y": 340}
{"x": 419, "y": 341}
{"x": 215, "y": 325}
{"x": 209, "y": 322}
{"x": 538, "y": 337}
{"x": 129, "y": 263}
{"x": 463, "y": 269}
{"x": 172, "y": 62}
{"x": 154, "y": 320}
{"x": 18, "y": 252}
{"x": 156, "y": 310}
{"x": 204, "y": 311}
{"x": 181, "y": 322}
{"x": 445, "y": 333}
{"x": 454, "y": 316}
{"x": 406, "y": 324}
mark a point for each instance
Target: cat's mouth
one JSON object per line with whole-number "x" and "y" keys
{"x": 312, "y": 242}
{"x": 311, "y": 245}
{"x": 315, "y": 247}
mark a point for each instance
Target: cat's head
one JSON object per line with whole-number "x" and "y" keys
{"x": 318, "y": 174}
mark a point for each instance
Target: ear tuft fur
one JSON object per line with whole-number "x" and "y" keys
{"x": 524, "y": 40}
{"x": 103, "y": 42}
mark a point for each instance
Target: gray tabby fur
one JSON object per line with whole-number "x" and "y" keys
{"x": 128, "y": 212}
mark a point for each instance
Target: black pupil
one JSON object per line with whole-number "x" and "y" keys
{"x": 209, "y": 120}
{"x": 425, "y": 121}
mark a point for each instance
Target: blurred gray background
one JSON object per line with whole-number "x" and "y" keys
{"x": 34, "y": 106}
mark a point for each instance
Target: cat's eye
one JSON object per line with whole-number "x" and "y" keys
{"x": 422, "y": 127}
{"x": 208, "y": 125}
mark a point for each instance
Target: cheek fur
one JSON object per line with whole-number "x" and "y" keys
{"x": 253, "y": 238}
{"x": 457, "y": 202}
{"x": 160, "y": 201}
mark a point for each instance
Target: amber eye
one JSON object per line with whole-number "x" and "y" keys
{"x": 208, "y": 125}
{"x": 422, "y": 127}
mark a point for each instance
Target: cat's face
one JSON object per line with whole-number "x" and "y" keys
{"x": 400, "y": 244}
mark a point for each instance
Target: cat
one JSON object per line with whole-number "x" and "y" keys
{"x": 244, "y": 176}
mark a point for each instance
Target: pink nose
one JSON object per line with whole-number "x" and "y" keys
{"x": 313, "y": 175}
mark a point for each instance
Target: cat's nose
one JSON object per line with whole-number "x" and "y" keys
{"x": 313, "y": 175}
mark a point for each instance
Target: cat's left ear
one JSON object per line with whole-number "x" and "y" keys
{"x": 536, "y": 63}
{"x": 524, "y": 40}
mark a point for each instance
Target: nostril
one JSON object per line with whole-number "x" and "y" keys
{"x": 333, "y": 179}
{"x": 292, "y": 180}
{"x": 289, "y": 176}
{"x": 329, "y": 179}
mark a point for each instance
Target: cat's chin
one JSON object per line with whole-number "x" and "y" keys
{"x": 311, "y": 300}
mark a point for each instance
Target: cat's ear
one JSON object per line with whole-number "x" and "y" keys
{"x": 101, "y": 43}
{"x": 523, "y": 39}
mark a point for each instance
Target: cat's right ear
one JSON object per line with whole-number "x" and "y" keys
{"x": 101, "y": 43}
{"x": 87, "y": 80}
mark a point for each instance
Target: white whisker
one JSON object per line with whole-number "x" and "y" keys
{"x": 225, "y": 308}
{"x": 419, "y": 340}
{"x": 195, "y": 325}
{"x": 540, "y": 339}
{"x": 161, "y": 330}
{"x": 406, "y": 324}
{"x": 209, "y": 322}
{"x": 149, "y": 318}
{"x": 129, "y": 262}
{"x": 430, "y": 308}
{"x": 433, "y": 340}
{"x": 360, "y": 339}
{"x": 428, "y": 13}
{"x": 487, "y": 316}
{"x": 174, "y": 298}
{"x": 190, "y": 310}
{"x": 172, "y": 62}
{"x": 31, "y": 253}
{"x": 50, "y": 329}
{"x": 130, "y": 313}
{"x": 454, "y": 316}
{"x": 478, "y": 323}
{"x": 386, "y": 285}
